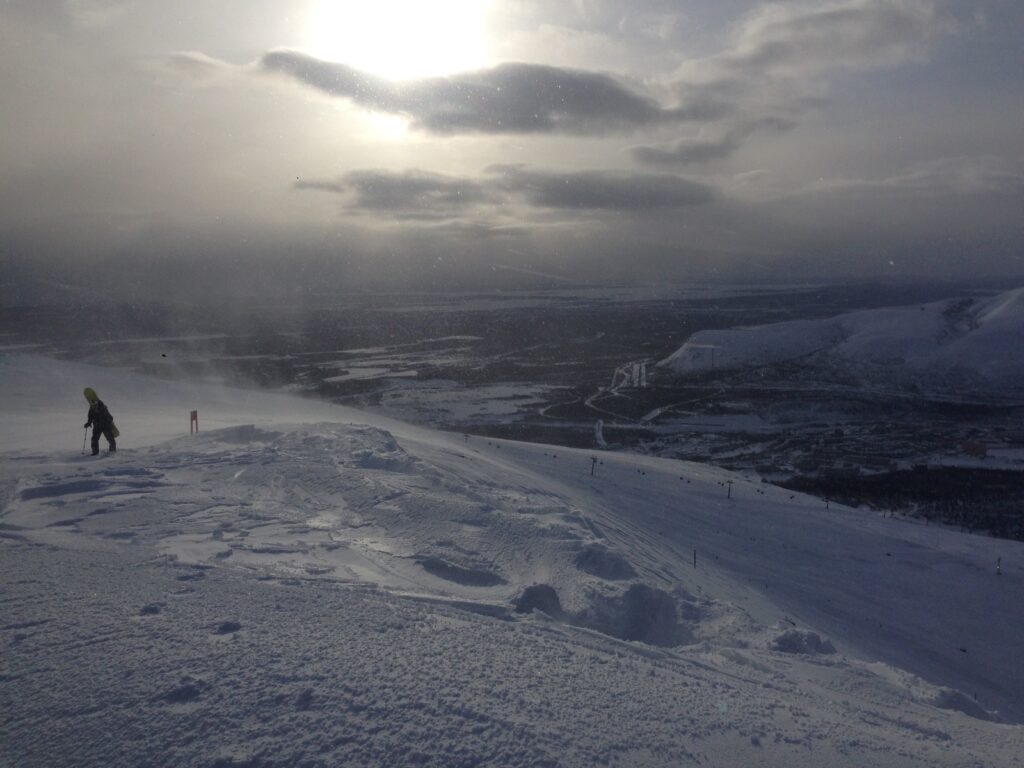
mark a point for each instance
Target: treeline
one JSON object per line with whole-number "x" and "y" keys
{"x": 976, "y": 500}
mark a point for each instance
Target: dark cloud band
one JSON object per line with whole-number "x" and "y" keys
{"x": 408, "y": 194}
{"x": 419, "y": 194}
{"x": 509, "y": 98}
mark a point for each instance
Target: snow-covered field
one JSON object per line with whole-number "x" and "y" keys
{"x": 304, "y": 584}
{"x": 448, "y": 402}
{"x": 965, "y": 348}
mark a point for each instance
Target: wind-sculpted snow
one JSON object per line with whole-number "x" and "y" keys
{"x": 354, "y": 591}
{"x": 964, "y": 348}
{"x": 797, "y": 641}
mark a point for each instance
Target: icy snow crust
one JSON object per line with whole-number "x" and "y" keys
{"x": 302, "y": 584}
{"x": 960, "y": 347}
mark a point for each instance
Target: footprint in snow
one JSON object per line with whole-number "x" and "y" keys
{"x": 187, "y": 692}
{"x": 228, "y": 628}
{"x": 304, "y": 700}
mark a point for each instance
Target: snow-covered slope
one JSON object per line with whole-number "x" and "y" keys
{"x": 302, "y": 584}
{"x": 957, "y": 347}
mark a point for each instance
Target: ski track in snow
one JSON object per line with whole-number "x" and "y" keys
{"x": 312, "y": 591}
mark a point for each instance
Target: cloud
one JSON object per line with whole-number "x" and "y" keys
{"x": 691, "y": 151}
{"x": 97, "y": 13}
{"x": 418, "y": 194}
{"x": 661, "y": 26}
{"x": 508, "y": 98}
{"x": 975, "y": 175}
{"x": 777, "y": 67}
{"x": 782, "y": 51}
{"x": 801, "y": 38}
{"x": 198, "y": 65}
{"x": 407, "y": 194}
{"x": 601, "y": 190}
{"x": 771, "y": 73}
{"x": 694, "y": 151}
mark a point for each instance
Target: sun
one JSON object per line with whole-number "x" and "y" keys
{"x": 400, "y": 39}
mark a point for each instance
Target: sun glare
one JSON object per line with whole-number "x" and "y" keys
{"x": 400, "y": 39}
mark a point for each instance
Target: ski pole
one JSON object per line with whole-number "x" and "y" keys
{"x": 85, "y": 436}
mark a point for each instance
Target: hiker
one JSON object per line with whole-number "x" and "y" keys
{"x": 101, "y": 421}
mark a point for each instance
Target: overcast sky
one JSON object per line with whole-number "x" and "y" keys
{"x": 587, "y": 140}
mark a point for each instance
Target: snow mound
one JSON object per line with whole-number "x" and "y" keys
{"x": 242, "y": 435}
{"x": 372, "y": 448}
{"x": 965, "y": 347}
{"x": 801, "y": 642}
{"x": 958, "y": 701}
{"x": 539, "y": 597}
{"x": 598, "y": 560}
{"x": 638, "y": 613}
{"x": 642, "y": 613}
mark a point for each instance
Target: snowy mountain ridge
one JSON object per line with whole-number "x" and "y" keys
{"x": 959, "y": 347}
{"x": 307, "y": 584}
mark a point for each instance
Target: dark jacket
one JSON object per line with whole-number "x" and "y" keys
{"x": 99, "y": 415}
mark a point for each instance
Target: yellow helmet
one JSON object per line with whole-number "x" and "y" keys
{"x": 90, "y": 394}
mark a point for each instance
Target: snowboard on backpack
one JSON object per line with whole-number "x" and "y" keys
{"x": 91, "y": 397}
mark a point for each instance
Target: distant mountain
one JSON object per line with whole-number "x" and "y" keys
{"x": 966, "y": 348}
